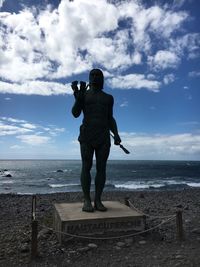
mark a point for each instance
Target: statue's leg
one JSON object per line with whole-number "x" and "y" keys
{"x": 87, "y": 156}
{"x": 102, "y": 154}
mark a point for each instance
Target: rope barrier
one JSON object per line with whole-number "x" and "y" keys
{"x": 112, "y": 237}
{"x": 147, "y": 215}
{"x": 34, "y": 225}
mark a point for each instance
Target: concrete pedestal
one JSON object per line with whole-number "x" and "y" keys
{"x": 69, "y": 218}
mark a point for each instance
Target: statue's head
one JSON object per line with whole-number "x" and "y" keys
{"x": 96, "y": 78}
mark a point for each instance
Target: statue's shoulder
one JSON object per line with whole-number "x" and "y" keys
{"x": 107, "y": 95}
{"x": 109, "y": 98}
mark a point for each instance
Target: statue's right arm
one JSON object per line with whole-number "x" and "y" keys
{"x": 77, "y": 108}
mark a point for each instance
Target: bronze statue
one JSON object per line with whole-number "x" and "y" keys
{"x": 98, "y": 121}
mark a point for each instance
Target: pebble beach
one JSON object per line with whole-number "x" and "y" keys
{"x": 158, "y": 247}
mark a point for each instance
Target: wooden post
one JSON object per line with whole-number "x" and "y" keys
{"x": 33, "y": 207}
{"x": 179, "y": 225}
{"x": 34, "y": 227}
{"x": 145, "y": 222}
{"x": 126, "y": 201}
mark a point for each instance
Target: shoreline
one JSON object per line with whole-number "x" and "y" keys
{"x": 159, "y": 248}
{"x": 167, "y": 188}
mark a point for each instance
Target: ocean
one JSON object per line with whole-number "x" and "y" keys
{"x": 50, "y": 176}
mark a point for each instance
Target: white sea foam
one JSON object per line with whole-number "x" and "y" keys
{"x": 30, "y": 194}
{"x": 152, "y": 184}
{"x": 132, "y": 186}
{"x": 7, "y": 182}
{"x": 194, "y": 184}
{"x": 61, "y": 185}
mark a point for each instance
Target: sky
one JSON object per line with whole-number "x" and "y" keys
{"x": 149, "y": 52}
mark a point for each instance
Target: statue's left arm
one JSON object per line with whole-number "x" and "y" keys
{"x": 113, "y": 124}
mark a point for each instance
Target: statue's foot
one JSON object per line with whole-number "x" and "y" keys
{"x": 87, "y": 206}
{"x": 99, "y": 206}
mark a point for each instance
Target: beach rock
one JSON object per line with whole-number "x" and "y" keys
{"x": 196, "y": 231}
{"x": 72, "y": 252}
{"x": 44, "y": 233}
{"x": 147, "y": 210}
{"x": 84, "y": 249}
{"x": 5, "y": 170}
{"x": 142, "y": 242}
{"x": 120, "y": 244}
{"x": 179, "y": 257}
{"x": 141, "y": 195}
{"x": 60, "y": 171}
{"x": 66, "y": 262}
{"x": 188, "y": 221}
{"x": 128, "y": 241}
{"x": 7, "y": 175}
{"x": 24, "y": 248}
{"x": 92, "y": 245}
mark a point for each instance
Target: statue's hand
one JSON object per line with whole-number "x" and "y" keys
{"x": 74, "y": 87}
{"x": 83, "y": 86}
{"x": 117, "y": 140}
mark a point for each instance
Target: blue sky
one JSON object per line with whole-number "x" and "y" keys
{"x": 149, "y": 52}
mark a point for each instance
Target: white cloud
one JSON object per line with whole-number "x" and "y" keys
{"x": 57, "y": 43}
{"x": 164, "y": 59}
{"x": 134, "y": 81}
{"x": 194, "y": 74}
{"x": 187, "y": 45}
{"x": 35, "y": 88}
{"x": 16, "y": 147}
{"x": 7, "y": 98}
{"x": 12, "y": 130}
{"x": 178, "y": 3}
{"x": 124, "y": 104}
{"x": 19, "y": 128}
{"x": 112, "y": 53}
{"x": 29, "y": 126}
{"x": 169, "y": 78}
{"x": 151, "y": 76}
{"x": 137, "y": 58}
{"x": 12, "y": 120}
{"x": 162, "y": 146}
{"x": 49, "y": 44}
{"x": 56, "y": 131}
{"x": 34, "y": 140}
{"x": 155, "y": 20}
{"x": 1, "y": 3}
{"x": 192, "y": 123}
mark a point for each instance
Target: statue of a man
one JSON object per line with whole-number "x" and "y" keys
{"x": 98, "y": 121}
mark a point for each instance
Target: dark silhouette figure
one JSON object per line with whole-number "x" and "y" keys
{"x": 98, "y": 121}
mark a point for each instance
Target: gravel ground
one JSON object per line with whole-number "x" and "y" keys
{"x": 157, "y": 248}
